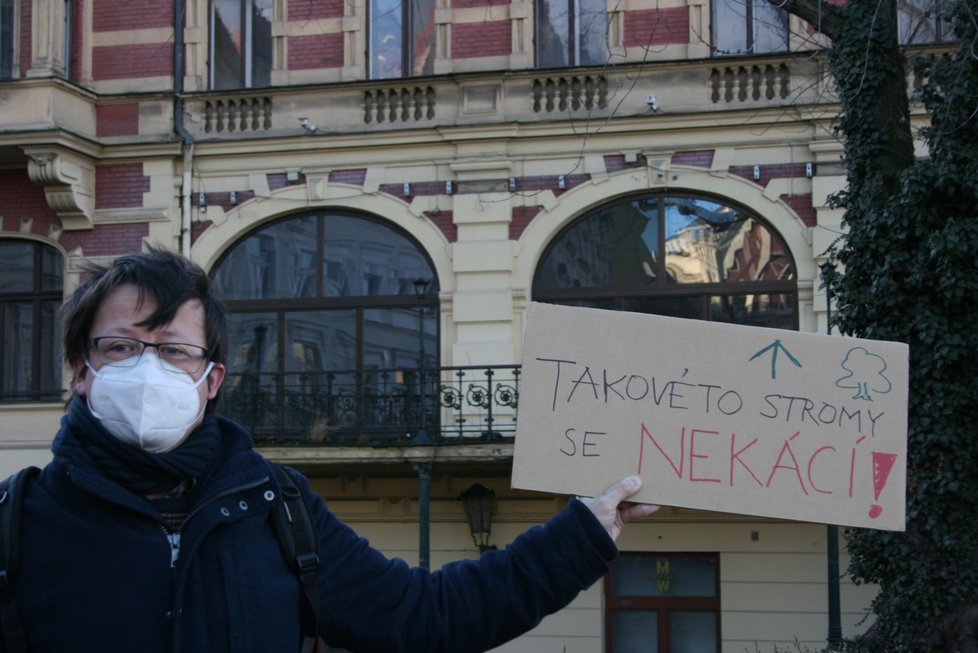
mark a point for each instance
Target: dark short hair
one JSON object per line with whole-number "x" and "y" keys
{"x": 169, "y": 278}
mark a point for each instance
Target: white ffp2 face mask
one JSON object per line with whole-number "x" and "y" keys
{"x": 146, "y": 405}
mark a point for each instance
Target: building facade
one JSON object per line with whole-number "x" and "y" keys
{"x": 323, "y": 159}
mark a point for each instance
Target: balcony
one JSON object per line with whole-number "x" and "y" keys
{"x": 377, "y": 407}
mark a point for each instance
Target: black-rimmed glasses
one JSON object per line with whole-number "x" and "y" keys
{"x": 126, "y": 352}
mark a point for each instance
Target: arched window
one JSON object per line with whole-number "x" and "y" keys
{"x": 676, "y": 255}
{"x": 327, "y": 331}
{"x": 31, "y": 277}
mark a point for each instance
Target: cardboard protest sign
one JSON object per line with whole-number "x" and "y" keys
{"x": 722, "y": 417}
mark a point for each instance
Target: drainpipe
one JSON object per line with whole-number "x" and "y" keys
{"x": 832, "y": 552}
{"x": 186, "y": 137}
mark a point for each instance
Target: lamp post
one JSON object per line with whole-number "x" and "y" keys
{"x": 421, "y": 287}
{"x": 480, "y": 506}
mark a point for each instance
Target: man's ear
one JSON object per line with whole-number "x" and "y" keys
{"x": 80, "y": 378}
{"x": 214, "y": 380}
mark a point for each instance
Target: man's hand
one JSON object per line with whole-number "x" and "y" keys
{"x": 613, "y": 511}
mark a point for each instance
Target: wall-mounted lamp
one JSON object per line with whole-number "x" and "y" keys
{"x": 308, "y": 126}
{"x": 480, "y": 507}
{"x": 202, "y": 202}
{"x": 561, "y": 182}
{"x": 233, "y": 197}
{"x": 407, "y": 189}
{"x": 652, "y": 103}
{"x": 757, "y": 172}
{"x": 809, "y": 170}
{"x": 449, "y": 187}
{"x": 512, "y": 184}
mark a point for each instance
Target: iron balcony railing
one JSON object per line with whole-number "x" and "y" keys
{"x": 376, "y": 407}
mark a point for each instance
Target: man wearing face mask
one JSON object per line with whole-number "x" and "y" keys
{"x": 150, "y": 529}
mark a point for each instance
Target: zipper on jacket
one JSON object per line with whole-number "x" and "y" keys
{"x": 173, "y": 537}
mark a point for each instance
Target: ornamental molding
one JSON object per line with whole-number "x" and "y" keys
{"x": 68, "y": 179}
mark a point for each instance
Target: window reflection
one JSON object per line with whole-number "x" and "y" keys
{"x": 616, "y": 245}
{"x": 325, "y": 327}
{"x": 675, "y": 255}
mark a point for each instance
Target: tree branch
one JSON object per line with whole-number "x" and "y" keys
{"x": 823, "y": 16}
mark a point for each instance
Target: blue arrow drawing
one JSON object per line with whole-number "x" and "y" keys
{"x": 774, "y": 348}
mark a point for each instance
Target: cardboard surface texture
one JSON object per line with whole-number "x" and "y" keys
{"x": 721, "y": 417}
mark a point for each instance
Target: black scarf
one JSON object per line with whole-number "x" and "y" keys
{"x": 130, "y": 466}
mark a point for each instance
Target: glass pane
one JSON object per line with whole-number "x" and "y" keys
{"x": 776, "y": 311}
{"x": 635, "y": 632}
{"x": 320, "y": 354}
{"x": 729, "y": 26}
{"x": 553, "y": 33}
{"x": 392, "y": 340}
{"x": 386, "y": 39}
{"x": 364, "y": 258}
{"x": 278, "y": 262}
{"x": 423, "y": 38}
{"x": 16, "y": 266}
{"x": 672, "y": 575}
{"x": 592, "y": 32}
{"x": 249, "y": 391}
{"x": 261, "y": 43}
{"x": 18, "y": 333}
{"x": 691, "y": 307}
{"x": 770, "y": 27}
{"x": 52, "y": 268}
{"x": 917, "y": 21}
{"x": 227, "y": 44}
{"x": 693, "y": 632}
{"x": 615, "y": 246}
{"x": 6, "y": 38}
{"x": 49, "y": 383}
{"x": 391, "y": 354}
{"x": 708, "y": 242}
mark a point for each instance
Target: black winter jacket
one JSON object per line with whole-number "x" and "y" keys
{"x": 96, "y": 572}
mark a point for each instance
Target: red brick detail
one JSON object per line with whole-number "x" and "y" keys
{"x": 111, "y": 16}
{"x": 353, "y": 177}
{"x": 656, "y": 26}
{"x": 21, "y": 198}
{"x": 462, "y": 4}
{"x": 417, "y": 188}
{"x": 198, "y": 228}
{"x": 521, "y": 218}
{"x": 120, "y": 185}
{"x": 132, "y": 61}
{"x": 107, "y": 239}
{"x": 311, "y": 9}
{"x": 616, "y": 162}
{"x": 482, "y": 39}
{"x": 26, "y": 11}
{"x": 117, "y": 119}
{"x": 316, "y": 51}
{"x": 445, "y": 221}
{"x": 280, "y": 180}
{"x": 550, "y": 182}
{"x": 698, "y": 158}
{"x": 769, "y": 172}
{"x": 802, "y": 205}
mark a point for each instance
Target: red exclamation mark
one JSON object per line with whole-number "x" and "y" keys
{"x": 882, "y": 465}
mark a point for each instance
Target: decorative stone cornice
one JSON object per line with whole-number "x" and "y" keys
{"x": 68, "y": 179}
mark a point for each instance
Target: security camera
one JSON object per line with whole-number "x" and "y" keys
{"x": 653, "y": 103}
{"x": 308, "y": 126}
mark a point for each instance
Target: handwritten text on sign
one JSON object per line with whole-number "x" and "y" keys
{"x": 713, "y": 416}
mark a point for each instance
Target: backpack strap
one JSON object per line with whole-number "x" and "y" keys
{"x": 11, "y": 501}
{"x": 300, "y": 545}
